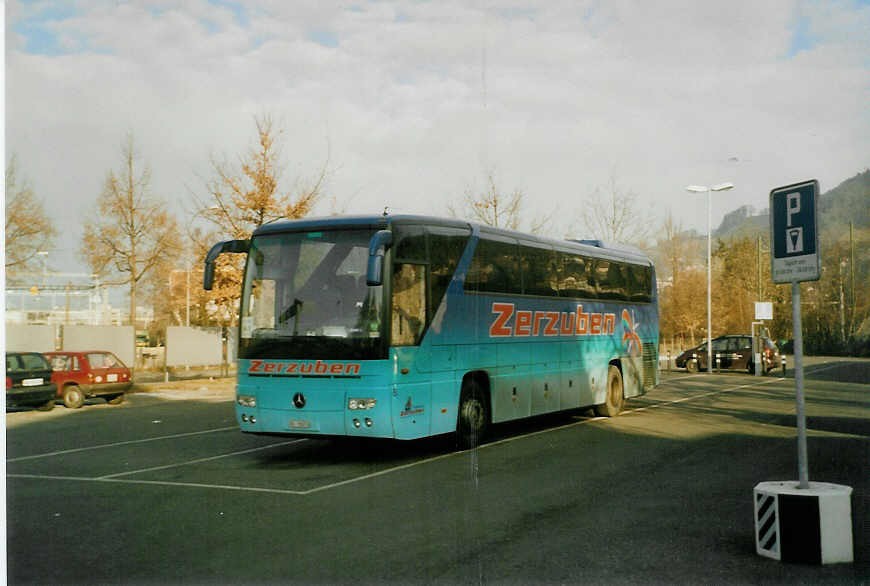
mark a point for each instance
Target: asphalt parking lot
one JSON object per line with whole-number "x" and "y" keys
{"x": 165, "y": 489}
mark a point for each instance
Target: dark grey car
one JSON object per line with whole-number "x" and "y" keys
{"x": 734, "y": 353}
{"x": 28, "y": 381}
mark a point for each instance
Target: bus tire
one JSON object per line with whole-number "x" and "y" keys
{"x": 615, "y": 397}
{"x": 692, "y": 366}
{"x": 473, "y": 418}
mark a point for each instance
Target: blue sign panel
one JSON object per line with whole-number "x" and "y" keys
{"x": 794, "y": 234}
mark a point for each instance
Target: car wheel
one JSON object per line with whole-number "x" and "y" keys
{"x": 73, "y": 397}
{"x": 473, "y": 418}
{"x": 692, "y": 366}
{"x": 47, "y": 406}
{"x": 115, "y": 399}
{"x": 615, "y": 394}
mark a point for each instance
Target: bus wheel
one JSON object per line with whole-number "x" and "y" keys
{"x": 615, "y": 396}
{"x": 73, "y": 397}
{"x": 115, "y": 399}
{"x": 473, "y": 418}
{"x": 692, "y": 366}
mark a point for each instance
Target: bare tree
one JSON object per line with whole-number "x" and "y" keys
{"x": 675, "y": 247}
{"x": 242, "y": 198}
{"x": 614, "y": 216}
{"x": 491, "y": 207}
{"x": 682, "y": 316}
{"x": 28, "y": 228}
{"x": 131, "y": 234}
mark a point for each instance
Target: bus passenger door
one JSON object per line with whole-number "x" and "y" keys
{"x": 412, "y": 400}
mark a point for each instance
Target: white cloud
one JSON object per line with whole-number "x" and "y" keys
{"x": 418, "y": 101}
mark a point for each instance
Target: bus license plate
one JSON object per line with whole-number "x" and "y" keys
{"x": 31, "y": 382}
{"x": 300, "y": 424}
{"x": 112, "y": 378}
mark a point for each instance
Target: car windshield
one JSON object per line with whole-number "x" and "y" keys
{"x": 305, "y": 295}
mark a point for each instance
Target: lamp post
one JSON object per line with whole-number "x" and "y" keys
{"x": 44, "y": 255}
{"x": 709, "y": 190}
{"x": 186, "y": 292}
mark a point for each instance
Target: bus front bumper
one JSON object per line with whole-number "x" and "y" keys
{"x": 362, "y": 423}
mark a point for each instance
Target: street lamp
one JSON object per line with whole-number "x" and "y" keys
{"x": 44, "y": 255}
{"x": 702, "y": 189}
{"x": 186, "y": 294}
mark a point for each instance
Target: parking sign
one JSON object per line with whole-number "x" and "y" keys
{"x": 794, "y": 233}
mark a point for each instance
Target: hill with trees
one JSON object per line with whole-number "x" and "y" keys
{"x": 835, "y": 309}
{"x": 849, "y": 202}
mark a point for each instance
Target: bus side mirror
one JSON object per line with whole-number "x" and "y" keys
{"x": 377, "y": 248}
{"x": 216, "y": 250}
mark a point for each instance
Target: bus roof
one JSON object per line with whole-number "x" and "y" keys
{"x": 595, "y": 248}
{"x": 347, "y": 222}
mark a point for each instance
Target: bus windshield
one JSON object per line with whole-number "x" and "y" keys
{"x": 305, "y": 296}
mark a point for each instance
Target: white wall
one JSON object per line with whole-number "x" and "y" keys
{"x": 24, "y": 338}
{"x": 117, "y": 339}
{"x": 193, "y": 346}
{"x": 184, "y": 346}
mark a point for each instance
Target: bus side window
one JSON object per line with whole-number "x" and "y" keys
{"x": 446, "y": 246}
{"x": 616, "y": 281}
{"x": 600, "y": 273}
{"x": 410, "y": 243}
{"x": 409, "y": 304}
{"x": 641, "y": 283}
{"x": 495, "y": 268}
{"x": 538, "y": 267}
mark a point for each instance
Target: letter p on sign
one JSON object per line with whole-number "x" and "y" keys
{"x": 792, "y": 207}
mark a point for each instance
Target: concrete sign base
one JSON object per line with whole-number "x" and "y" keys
{"x": 811, "y": 525}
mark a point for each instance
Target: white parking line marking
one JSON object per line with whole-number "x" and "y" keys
{"x": 114, "y": 444}
{"x": 158, "y": 483}
{"x": 381, "y": 473}
{"x": 199, "y": 460}
{"x": 707, "y": 394}
{"x": 821, "y": 367}
{"x": 116, "y": 477}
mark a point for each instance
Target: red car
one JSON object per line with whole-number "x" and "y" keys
{"x": 94, "y": 373}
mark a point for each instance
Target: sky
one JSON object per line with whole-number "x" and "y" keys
{"x": 411, "y": 104}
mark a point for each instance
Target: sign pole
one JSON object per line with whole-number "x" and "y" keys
{"x": 803, "y": 465}
{"x": 814, "y": 519}
{"x": 794, "y": 237}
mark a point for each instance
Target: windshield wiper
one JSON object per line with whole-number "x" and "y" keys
{"x": 294, "y": 310}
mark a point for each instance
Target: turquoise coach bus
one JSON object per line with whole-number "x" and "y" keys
{"x": 407, "y": 326}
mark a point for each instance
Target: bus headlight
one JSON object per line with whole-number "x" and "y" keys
{"x": 246, "y": 400}
{"x": 361, "y": 404}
